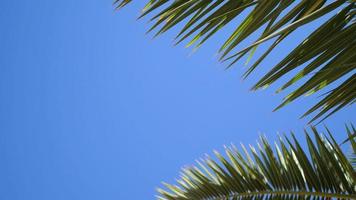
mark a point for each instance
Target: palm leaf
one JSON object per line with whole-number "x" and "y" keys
{"x": 327, "y": 56}
{"x": 286, "y": 172}
{"x": 351, "y": 132}
{"x": 121, "y": 3}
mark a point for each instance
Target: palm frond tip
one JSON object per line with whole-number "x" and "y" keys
{"x": 286, "y": 172}
{"x": 325, "y": 56}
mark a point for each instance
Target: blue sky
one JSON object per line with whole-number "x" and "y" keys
{"x": 92, "y": 108}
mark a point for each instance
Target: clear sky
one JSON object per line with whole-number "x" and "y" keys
{"x": 92, "y": 108}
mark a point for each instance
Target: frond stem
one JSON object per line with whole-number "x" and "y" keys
{"x": 295, "y": 193}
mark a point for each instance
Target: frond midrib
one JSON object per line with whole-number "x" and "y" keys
{"x": 288, "y": 192}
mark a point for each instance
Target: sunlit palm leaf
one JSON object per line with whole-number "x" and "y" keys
{"x": 286, "y": 172}
{"x": 325, "y": 56}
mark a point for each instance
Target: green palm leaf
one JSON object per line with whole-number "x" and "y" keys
{"x": 351, "y": 132}
{"x": 286, "y": 172}
{"x": 327, "y": 56}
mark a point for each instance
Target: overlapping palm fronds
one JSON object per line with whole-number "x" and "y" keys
{"x": 328, "y": 54}
{"x": 286, "y": 172}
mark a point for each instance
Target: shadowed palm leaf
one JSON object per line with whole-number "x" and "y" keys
{"x": 288, "y": 172}
{"x": 328, "y": 54}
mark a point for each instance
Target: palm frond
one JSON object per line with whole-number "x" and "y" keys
{"x": 286, "y": 172}
{"x": 328, "y": 54}
{"x": 351, "y": 132}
